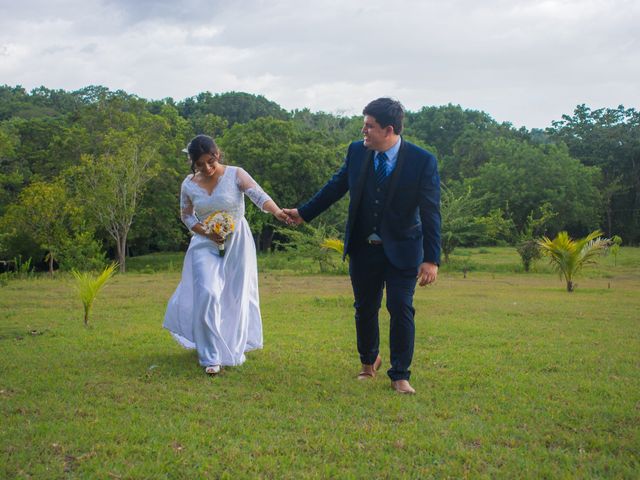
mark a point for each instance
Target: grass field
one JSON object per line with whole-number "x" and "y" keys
{"x": 515, "y": 378}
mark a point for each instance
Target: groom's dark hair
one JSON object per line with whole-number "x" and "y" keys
{"x": 386, "y": 111}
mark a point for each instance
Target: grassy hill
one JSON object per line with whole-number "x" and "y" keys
{"x": 515, "y": 378}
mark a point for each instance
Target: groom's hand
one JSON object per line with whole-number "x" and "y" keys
{"x": 427, "y": 273}
{"x": 283, "y": 217}
{"x": 293, "y": 215}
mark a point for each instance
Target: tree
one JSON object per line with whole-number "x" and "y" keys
{"x": 288, "y": 163}
{"x": 328, "y": 129}
{"x": 15, "y": 102}
{"x": 569, "y": 256}
{"x": 209, "y": 124}
{"x": 442, "y": 126}
{"x": 528, "y": 251}
{"x": 157, "y": 226}
{"x": 534, "y": 227}
{"x": 459, "y": 223}
{"x": 12, "y": 172}
{"x": 498, "y": 227}
{"x": 43, "y": 213}
{"x": 609, "y": 138}
{"x": 235, "y": 107}
{"x": 112, "y": 186}
{"x": 519, "y": 177}
{"x": 44, "y": 147}
{"x": 122, "y": 126}
{"x": 469, "y": 154}
{"x": 616, "y": 241}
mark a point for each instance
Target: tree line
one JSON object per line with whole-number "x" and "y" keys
{"x": 95, "y": 173}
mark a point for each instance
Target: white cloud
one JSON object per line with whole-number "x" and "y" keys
{"x": 523, "y": 61}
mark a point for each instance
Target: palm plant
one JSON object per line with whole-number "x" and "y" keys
{"x": 333, "y": 244}
{"x": 305, "y": 241}
{"x": 568, "y": 256}
{"x": 88, "y": 287}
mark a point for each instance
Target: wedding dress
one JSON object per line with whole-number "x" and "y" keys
{"x": 215, "y": 308}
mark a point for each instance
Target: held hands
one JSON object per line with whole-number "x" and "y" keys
{"x": 293, "y": 216}
{"x": 427, "y": 273}
{"x": 282, "y": 216}
{"x": 279, "y": 213}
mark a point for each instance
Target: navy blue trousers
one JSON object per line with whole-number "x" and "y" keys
{"x": 371, "y": 272}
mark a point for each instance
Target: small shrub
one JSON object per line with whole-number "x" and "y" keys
{"x": 88, "y": 287}
{"x": 82, "y": 253}
{"x": 459, "y": 263}
{"x": 22, "y": 269}
{"x": 616, "y": 241}
{"x": 307, "y": 241}
{"x": 529, "y": 251}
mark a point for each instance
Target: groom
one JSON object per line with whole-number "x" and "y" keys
{"x": 392, "y": 234}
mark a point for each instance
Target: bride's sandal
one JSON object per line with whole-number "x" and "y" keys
{"x": 212, "y": 370}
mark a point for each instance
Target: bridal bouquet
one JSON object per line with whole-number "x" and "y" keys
{"x": 221, "y": 223}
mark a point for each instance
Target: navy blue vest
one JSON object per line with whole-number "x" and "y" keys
{"x": 369, "y": 213}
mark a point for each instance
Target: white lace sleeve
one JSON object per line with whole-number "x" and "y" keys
{"x": 187, "y": 214}
{"x": 251, "y": 189}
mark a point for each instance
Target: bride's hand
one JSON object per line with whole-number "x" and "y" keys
{"x": 215, "y": 237}
{"x": 283, "y": 217}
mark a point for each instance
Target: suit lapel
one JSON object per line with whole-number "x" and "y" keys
{"x": 356, "y": 196}
{"x": 362, "y": 177}
{"x": 395, "y": 175}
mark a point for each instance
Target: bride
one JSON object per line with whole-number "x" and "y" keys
{"x": 215, "y": 308}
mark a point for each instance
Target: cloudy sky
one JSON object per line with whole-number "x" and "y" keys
{"x": 523, "y": 61}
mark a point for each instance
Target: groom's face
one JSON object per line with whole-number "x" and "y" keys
{"x": 375, "y": 136}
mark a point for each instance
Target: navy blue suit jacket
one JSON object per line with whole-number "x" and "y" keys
{"x": 410, "y": 226}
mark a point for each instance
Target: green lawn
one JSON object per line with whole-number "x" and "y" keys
{"x": 516, "y": 378}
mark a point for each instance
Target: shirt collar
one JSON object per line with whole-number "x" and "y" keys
{"x": 393, "y": 151}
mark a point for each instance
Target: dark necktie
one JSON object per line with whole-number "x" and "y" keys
{"x": 381, "y": 168}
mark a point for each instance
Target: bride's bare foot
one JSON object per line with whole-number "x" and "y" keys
{"x": 212, "y": 370}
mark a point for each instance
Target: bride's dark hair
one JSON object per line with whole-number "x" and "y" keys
{"x": 198, "y": 146}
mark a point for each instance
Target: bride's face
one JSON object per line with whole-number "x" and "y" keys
{"x": 207, "y": 164}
